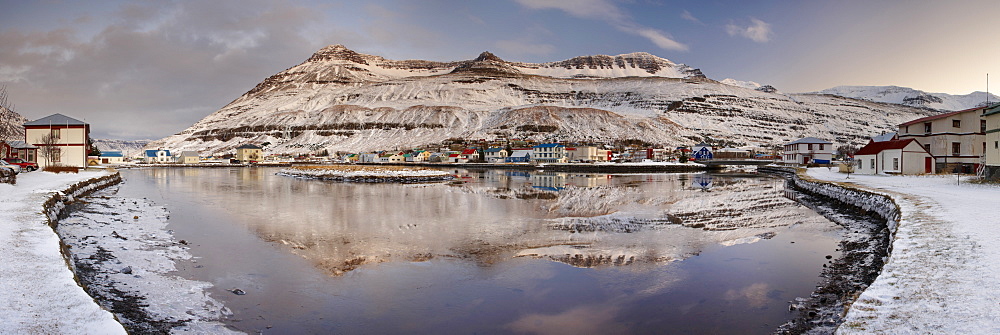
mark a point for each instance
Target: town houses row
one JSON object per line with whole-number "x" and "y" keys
{"x": 966, "y": 141}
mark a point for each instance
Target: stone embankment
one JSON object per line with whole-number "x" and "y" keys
{"x": 869, "y": 220}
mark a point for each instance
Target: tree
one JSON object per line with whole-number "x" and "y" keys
{"x": 92, "y": 149}
{"x": 48, "y": 149}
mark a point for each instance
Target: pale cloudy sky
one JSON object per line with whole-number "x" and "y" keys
{"x": 148, "y": 69}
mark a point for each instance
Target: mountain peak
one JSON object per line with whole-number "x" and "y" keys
{"x": 337, "y": 51}
{"x": 486, "y": 55}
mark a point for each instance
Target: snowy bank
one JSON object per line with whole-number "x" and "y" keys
{"x": 126, "y": 257}
{"x": 943, "y": 275}
{"x": 39, "y": 292}
{"x": 367, "y": 174}
{"x": 869, "y": 220}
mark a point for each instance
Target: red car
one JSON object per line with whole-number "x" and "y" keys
{"x": 25, "y": 165}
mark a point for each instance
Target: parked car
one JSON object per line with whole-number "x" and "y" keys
{"x": 5, "y": 165}
{"x": 25, "y": 165}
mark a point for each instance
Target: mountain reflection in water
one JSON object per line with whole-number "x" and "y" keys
{"x": 584, "y": 220}
{"x": 495, "y": 251}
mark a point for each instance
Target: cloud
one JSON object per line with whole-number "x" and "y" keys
{"x": 589, "y": 9}
{"x": 154, "y": 68}
{"x": 688, "y": 16}
{"x": 758, "y": 31}
{"x": 519, "y": 48}
{"x": 608, "y": 12}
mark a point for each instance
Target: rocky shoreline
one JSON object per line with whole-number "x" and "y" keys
{"x": 869, "y": 220}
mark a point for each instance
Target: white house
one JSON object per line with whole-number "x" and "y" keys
{"x": 519, "y": 156}
{"x": 808, "y": 150}
{"x": 112, "y": 157}
{"x": 549, "y": 153}
{"x": 158, "y": 156}
{"x": 893, "y": 157}
{"x": 495, "y": 155}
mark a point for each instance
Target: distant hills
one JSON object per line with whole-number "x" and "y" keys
{"x": 911, "y": 97}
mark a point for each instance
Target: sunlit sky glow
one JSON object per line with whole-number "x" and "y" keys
{"x": 148, "y": 69}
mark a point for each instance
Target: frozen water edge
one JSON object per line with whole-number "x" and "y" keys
{"x": 124, "y": 256}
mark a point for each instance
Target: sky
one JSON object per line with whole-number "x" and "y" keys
{"x": 149, "y": 69}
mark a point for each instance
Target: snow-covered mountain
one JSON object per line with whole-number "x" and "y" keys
{"x": 11, "y": 125}
{"x": 911, "y": 97}
{"x": 128, "y": 148}
{"x": 341, "y": 100}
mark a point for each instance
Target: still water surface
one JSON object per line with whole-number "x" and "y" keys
{"x": 496, "y": 251}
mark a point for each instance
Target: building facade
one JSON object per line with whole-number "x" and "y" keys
{"x": 549, "y": 153}
{"x": 249, "y": 153}
{"x": 992, "y": 137}
{"x": 956, "y": 139}
{"x": 807, "y": 150}
{"x": 61, "y": 140}
{"x": 906, "y": 157}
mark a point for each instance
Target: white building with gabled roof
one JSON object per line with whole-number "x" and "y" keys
{"x": 807, "y": 150}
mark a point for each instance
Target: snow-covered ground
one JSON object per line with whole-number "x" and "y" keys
{"x": 37, "y": 292}
{"x": 942, "y": 276}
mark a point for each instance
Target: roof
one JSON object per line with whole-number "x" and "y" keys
{"x": 189, "y": 153}
{"x": 112, "y": 154}
{"x": 56, "y": 119}
{"x": 877, "y": 147}
{"x": 152, "y": 153}
{"x": 884, "y": 137}
{"x": 550, "y": 145}
{"x": 249, "y": 146}
{"x": 939, "y": 116}
{"x": 469, "y": 152}
{"x": 453, "y": 155}
{"x": 20, "y": 145}
{"x": 494, "y": 150}
{"x": 992, "y": 110}
{"x": 809, "y": 140}
{"x": 521, "y": 153}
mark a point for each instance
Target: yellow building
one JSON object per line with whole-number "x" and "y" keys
{"x": 249, "y": 153}
{"x": 61, "y": 140}
{"x": 955, "y": 139}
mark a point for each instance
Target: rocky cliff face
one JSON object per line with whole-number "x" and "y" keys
{"x": 341, "y": 100}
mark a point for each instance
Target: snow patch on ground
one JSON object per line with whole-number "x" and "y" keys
{"x": 38, "y": 292}
{"x": 124, "y": 253}
{"x": 942, "y": 276}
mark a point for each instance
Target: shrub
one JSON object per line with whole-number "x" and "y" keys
{"x": 59, "y": 169}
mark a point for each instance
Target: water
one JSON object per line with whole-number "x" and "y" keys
{"x": 495, "y": 251}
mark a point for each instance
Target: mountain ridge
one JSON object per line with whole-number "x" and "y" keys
{"x": 341, "y": 100}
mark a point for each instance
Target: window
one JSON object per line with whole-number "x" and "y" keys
{"x": 895, "y": 164}
{"x": 907, "y": 129}
{"x": 56, "y": 155}
{"x": 927, "y": 147}
{"x": 982, "y": 126}
{"x": 956, "y": 123}
{"x": 956, "y": 148}
{"x": 996, "y": 144}
{"x": 810, "y": 146}
{"x": 927, "y": 127}
{"x": 55, "y": 133}
{"x": 873, "y": 164}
